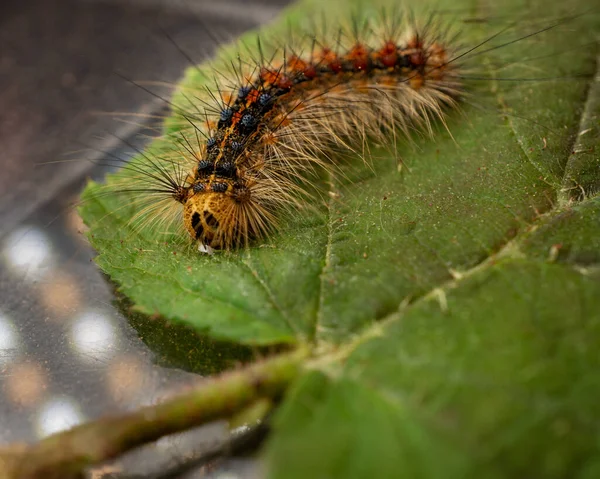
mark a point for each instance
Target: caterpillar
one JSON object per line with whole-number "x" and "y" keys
{"x": 250, "y": 143}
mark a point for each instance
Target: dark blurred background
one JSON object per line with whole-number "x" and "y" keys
{"x": 67, "y": 354}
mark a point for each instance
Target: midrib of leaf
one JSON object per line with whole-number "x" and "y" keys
{"x": 510, "y": 250}
{"x": 588, "y": 114}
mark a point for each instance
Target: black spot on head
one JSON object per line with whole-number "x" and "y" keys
{"x": 198, "y": 187}
{"x": 219, "y": 187}
{"x": 248, "y": 123}
{"x": 225, "y": 169}
{"x": 225, "y": 118}
{"x": 196, "y": 225}
{"x": 210, "y": 220}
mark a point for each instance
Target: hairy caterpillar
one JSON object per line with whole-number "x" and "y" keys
{"x": 247, "y": 145}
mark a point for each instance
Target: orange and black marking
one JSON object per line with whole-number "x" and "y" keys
{"x": 221, "y": 207}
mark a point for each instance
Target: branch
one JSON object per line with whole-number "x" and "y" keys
{"x": 65, "y": 455}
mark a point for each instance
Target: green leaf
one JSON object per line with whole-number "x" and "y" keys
{"x": 451, "y": 293}
{"x": 495, "y": 375}
{"x": 390, "y": 236}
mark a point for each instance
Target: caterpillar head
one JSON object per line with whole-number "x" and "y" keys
{"x": 222, "y": 215}
{"x": 203, "y": 216}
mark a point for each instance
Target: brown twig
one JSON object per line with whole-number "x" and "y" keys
{"x": 65, "y": 455}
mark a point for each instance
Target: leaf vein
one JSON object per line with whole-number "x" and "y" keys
{"x": 271, "y": 297}
{"x": 585, "y": 122}
{"x": 326, "y": 265}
